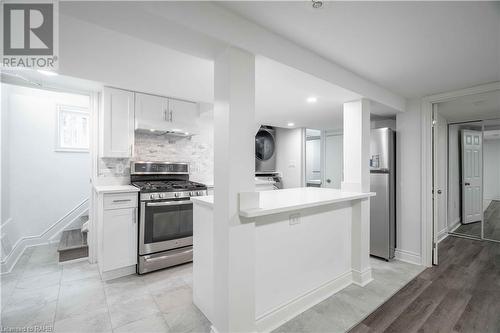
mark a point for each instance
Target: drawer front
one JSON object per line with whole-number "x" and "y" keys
{"x": 120, "y": 200}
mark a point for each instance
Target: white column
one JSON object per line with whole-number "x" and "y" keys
{"x": 357, "y": 179}
{"x": 234, "y": 241}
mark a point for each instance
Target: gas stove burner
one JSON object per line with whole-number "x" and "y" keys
{"x": 168, "y": 186}
{"x": 164, "y": 181}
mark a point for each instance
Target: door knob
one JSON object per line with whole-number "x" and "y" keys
{"x": 439, "y": 191}
{"x": 467, "y": 184}
{"x": 328, "y": 180}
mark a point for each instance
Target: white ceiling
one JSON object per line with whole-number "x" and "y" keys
{"x": 281, "y": 94}
{"x": 281, "y": 91}
{"x": 412, "y": 48}
{"x": 471, "y": 107}
{"x": 33, "y": 78}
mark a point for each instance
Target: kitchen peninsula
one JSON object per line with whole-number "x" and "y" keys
{"x": 305, "y": 246}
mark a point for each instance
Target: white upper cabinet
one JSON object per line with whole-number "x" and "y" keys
{"x": 117, "y": 123}
{"x": 164, "y": 114}
{"x": 151, "y": 112}
{"x": 183, "y": 114}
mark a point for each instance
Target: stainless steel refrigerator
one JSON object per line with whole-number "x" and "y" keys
{"x": 383, "y": 182}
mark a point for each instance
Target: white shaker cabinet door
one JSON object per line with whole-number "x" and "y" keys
{"x": 151, "y": 111}
{"x": 117, "y": 123}
{"x": 119, "y": 238}
{"x": 183, "y": 114}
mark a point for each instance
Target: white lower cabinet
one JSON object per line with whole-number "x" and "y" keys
{"x": 117, "y": 234}
{"x": 120, "y": 233}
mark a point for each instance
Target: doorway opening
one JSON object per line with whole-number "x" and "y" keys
{"x": 324, "y": 158}
{"x": 46, "y": 153}
{"x": 466, "y": 167}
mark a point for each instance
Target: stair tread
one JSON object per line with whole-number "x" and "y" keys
{"x": 72, "y": 239}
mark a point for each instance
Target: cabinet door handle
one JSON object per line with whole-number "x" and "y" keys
{"x": 171, "y": 116}
{"x": 122, "y": 200}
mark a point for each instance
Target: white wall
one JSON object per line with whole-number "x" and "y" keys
{"x": 94, "y": 53}
{"x": 383, "y": 123}
{"x": 44, "y": 185}
{"x": 290, "y": 156}
{"x": 408, "y": 182}
{"x": 491, "y": 153}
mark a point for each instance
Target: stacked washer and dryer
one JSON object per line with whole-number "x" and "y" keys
{"x": 266, "y": 177}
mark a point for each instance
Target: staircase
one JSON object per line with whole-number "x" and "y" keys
{"x": 73, "y": 244}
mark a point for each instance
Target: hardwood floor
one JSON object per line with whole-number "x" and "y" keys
{"x": 462, "y": 294}
{"x": 491, "y": 224}
{"x": 492, "y": 221}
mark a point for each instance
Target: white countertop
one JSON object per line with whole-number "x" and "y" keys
{"x": 279, "y": 201}
{"x": 207, "y": 200}
{"x": 115, "y": 188}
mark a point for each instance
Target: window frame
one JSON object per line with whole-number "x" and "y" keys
{"x": 61, "y": 109}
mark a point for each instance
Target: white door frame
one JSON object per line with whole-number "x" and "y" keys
{"x": 426, "y": 167}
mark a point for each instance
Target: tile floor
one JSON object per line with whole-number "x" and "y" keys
{"x": 71, "y": 298}
{"x": 351, "y": 305}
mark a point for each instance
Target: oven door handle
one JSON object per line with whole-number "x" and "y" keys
{"x": 168, "y": 203}
{"x": 149, "y": 260}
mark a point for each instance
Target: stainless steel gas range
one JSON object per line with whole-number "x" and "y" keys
{"x": 165, "y": 213}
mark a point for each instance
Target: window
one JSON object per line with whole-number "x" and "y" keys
{"x": 73, "y": 128}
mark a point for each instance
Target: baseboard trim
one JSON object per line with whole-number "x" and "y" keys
{"x": 362, "y": 278}
{"x": 454, "y": 226}
{"x": 273, "y": 319}
{"x": 408, "y": 256}
{"x": 442, "y": 235}
{"x": 119, "y": 272}
{"x": 46, "y": 237}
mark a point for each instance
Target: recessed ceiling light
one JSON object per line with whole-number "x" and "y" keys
{"x": 311, "y": 99}
{"x": 317, "y": 4}
{"x": 48, "y": 73}
{"x": 186, "y": 133}
{"x": 291, "y": 124}
{"x": 152, "y": 130}
{"x": 177, "y": 130}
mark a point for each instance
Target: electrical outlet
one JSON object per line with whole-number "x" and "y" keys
{"x": 294, "y": 219}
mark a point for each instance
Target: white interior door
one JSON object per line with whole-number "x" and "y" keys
{"x": 472, "y": 176}
{"x": 333, "y": 160}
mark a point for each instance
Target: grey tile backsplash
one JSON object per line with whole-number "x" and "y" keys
{"x": 198, "y": 151}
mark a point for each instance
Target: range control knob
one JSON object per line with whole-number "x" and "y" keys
{"x": 192, "y": 194}
{"x": 161, "y": 195}
{"x": 176, "y": 194}
{"x": 154, "y": 196}
{"x": 200, "y": 193}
